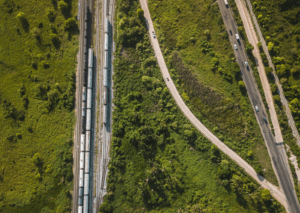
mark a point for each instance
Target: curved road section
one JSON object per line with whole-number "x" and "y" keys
{"x": 277, "y": 194}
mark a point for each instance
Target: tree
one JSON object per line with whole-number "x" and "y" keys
{"x": 281, "y": 70}
{"x": 63, "y": 6}
{"x": 51, "y": 14}
{"x": 268, "y": 70}
{"x": 295, "y": 70}
{"x": 260, "y": 46}
{"x": 274, "y": 88}
{"x": 277, "y": 99}
{"x": 270, "y": 46}
{"x": 140, "y": 13}
{"x": 249, "y": 48}
{"x": 70, "y": 23}
{"x": 242, "y": 84}
{"x": 265, "y": 195}
{"x": 54, "y": 38}
{"x": 295, "y": 106}
{"x": 185, "y": 96}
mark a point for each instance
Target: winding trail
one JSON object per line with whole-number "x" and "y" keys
{"x": 276, "y": 193}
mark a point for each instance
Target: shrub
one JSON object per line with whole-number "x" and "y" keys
{"x": 36, "y": 159}
{"x": 21, "y": 17}
{"x": 36, "y": 32}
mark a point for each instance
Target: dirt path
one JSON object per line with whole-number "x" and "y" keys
{"x": 276, "y": 193}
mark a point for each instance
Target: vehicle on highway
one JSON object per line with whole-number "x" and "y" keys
{"x": 237, "y": 36}
{"x": 265, "y": 119}
{"x": 154, "y": 36}
{"x": 235, "y": 47}
{"x": 167, "y": 78}
{"x": 246, "y": 64}
{"x": 256, "y": 108}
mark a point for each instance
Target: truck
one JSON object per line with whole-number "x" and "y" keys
{"x": 237, "y": 36}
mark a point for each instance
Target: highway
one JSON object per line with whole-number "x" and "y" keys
{"x": 275, "y": 148}
{"x": 284, "y": 101}
{"x": 275, "y": 192}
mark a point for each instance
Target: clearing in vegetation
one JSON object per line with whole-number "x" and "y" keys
{"x": 38, "y": 52}
{"x": 159, "y": 161}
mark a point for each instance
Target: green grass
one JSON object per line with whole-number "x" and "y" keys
{"x": 37, "y": 94}
{"x": 159, "y": 161}
{"x": 193, "y": 37}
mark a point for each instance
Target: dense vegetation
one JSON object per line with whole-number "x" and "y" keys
{"x": 37, "y": 93}
{"x": 202, "y": 64}
{"x": 159, "y": 162}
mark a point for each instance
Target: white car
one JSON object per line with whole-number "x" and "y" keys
{"x": 235, "y": 47}
{"x": 246, "y": 64}
{"x": 256, "y": 108}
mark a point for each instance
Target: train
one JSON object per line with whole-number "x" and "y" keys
{"x": 87, "y": 105}
{"x": 85, "y": 139}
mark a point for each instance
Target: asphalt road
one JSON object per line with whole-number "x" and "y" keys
{"x": 284, "y": 101}
{"x": 275, "y": 192}
{"x": 280, "y": 164}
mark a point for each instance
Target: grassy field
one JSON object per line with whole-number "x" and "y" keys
{"x": 201, "y": 61}
{"x": 159, "y": 162}
{"x": 37, "y": 93}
